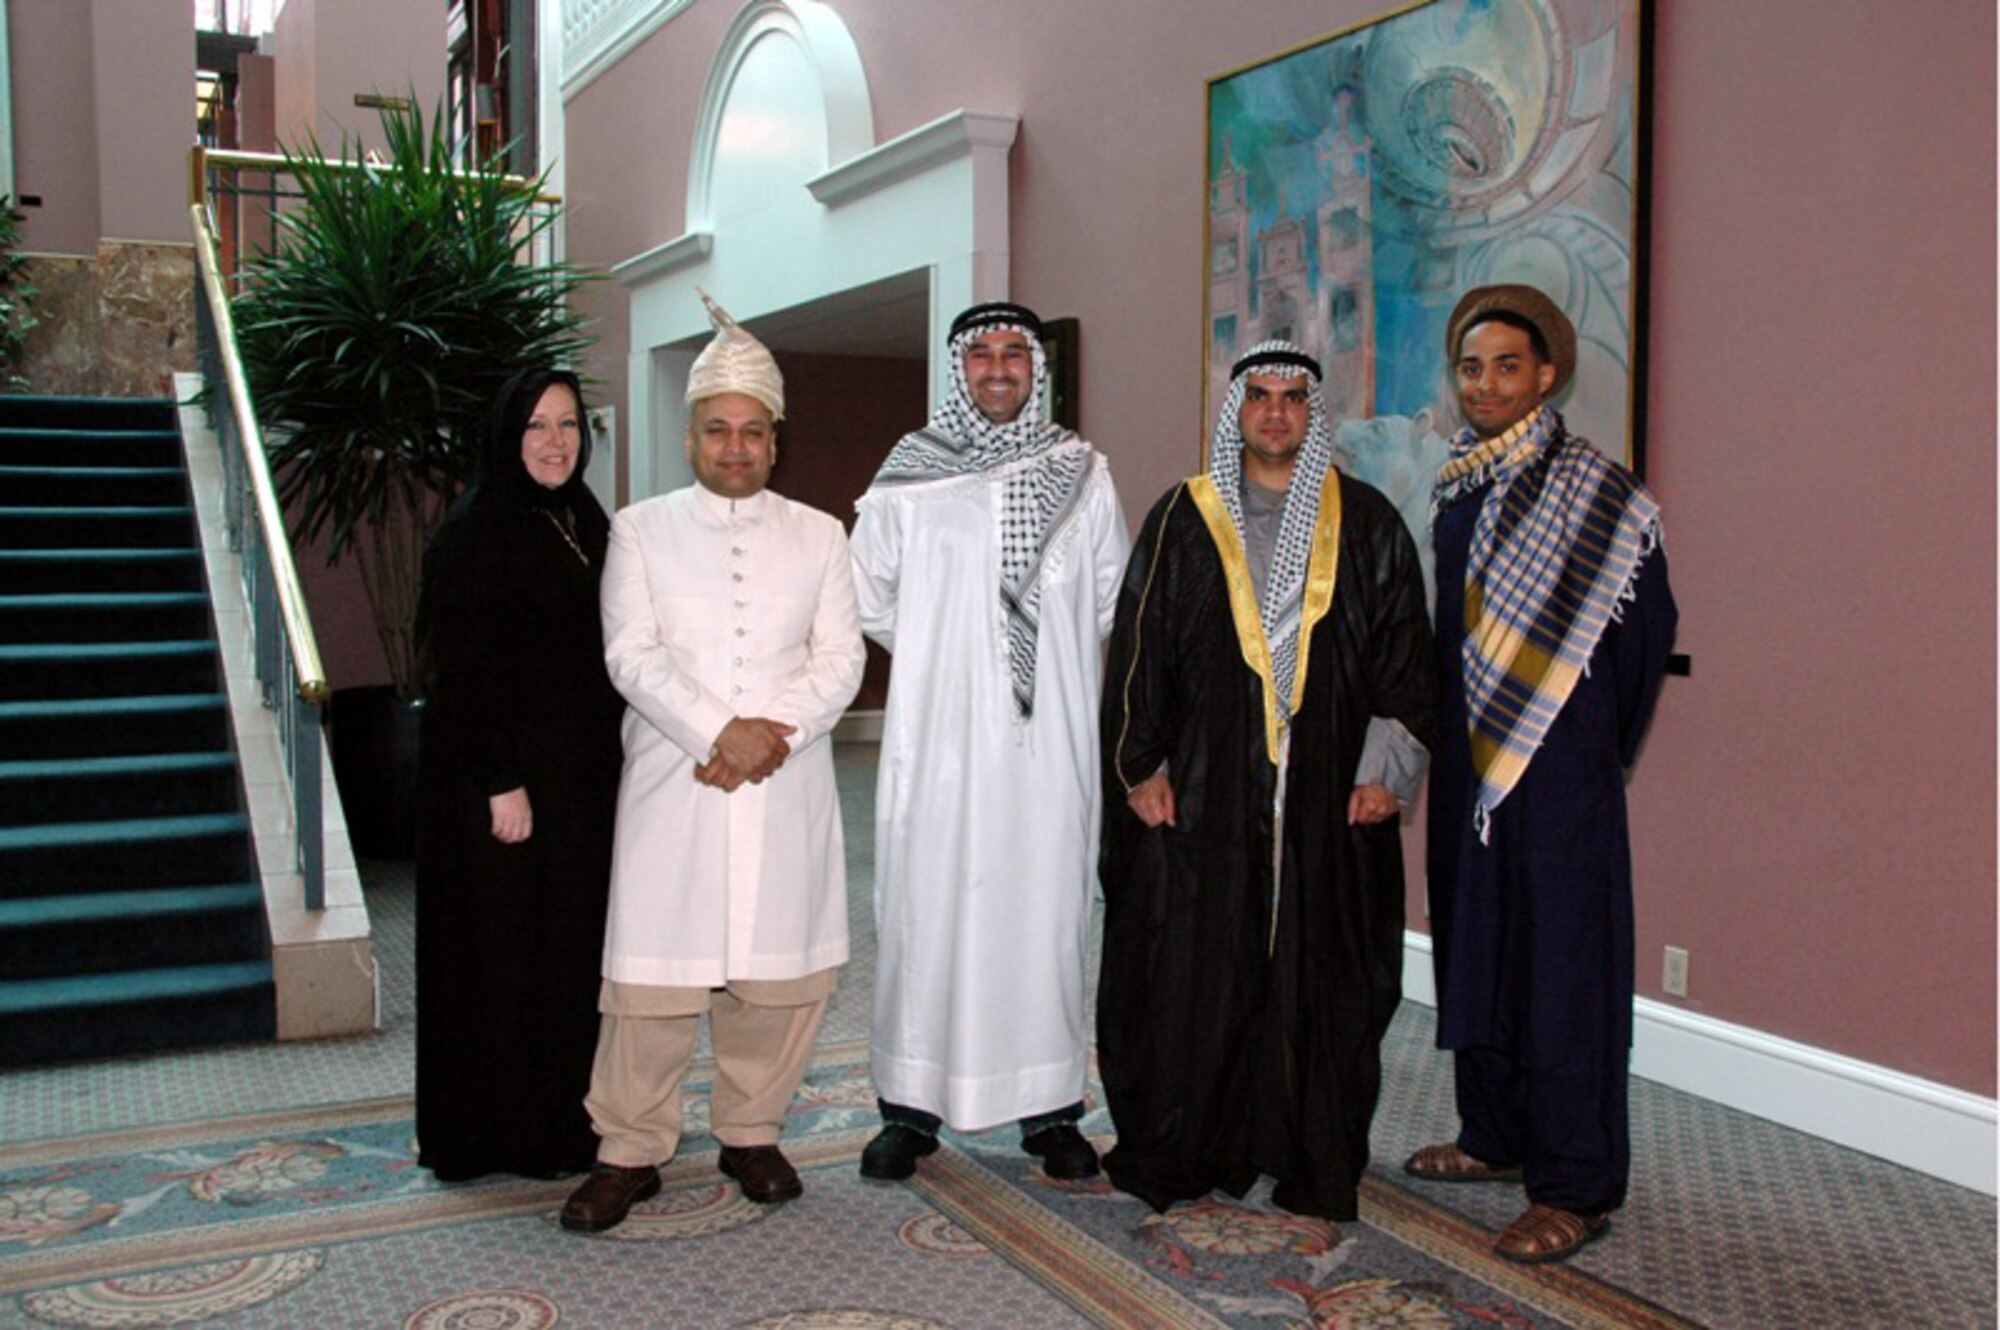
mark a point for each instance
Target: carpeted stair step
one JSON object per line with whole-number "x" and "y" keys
{"x": 130, "y": 914}
{"x": 88, "y": 486}
{"x": 105, "y": 616}
{"x": 36, "y": 671}
{"x": 89, "y": 447}
{"x": 115, "y": 726}
{"x": 97, "y": 527}
{"x": 55, "y": 1020}
{"x": 44, "y": 572}
{"x": 123, "y": 414}
{"x": 107, "y": 788}
{"x": 125, "y": 854}
{"x": 48, "y": 937}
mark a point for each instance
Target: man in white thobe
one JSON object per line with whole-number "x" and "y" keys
{"x": 730, "y": 628}
{"x": 987, "y": 557}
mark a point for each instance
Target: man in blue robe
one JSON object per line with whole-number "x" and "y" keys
{"x": 1554, "y": 622}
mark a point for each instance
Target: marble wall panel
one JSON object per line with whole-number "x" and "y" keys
{"x": 118, "y": 325}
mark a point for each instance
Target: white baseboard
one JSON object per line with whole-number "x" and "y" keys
{"x": 1919, "y": 1124}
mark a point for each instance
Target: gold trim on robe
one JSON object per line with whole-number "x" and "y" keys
{"x": 1322, "y": 570}
{"x": 1138, "y": 636}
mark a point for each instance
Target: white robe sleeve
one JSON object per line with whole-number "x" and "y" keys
{"x": 1113, "y": 546}
{"x": 642, "y": 666}
{"x": 877, "y": 550}
{"x": 815, "y": 699}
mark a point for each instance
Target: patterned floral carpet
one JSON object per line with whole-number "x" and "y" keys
{"x": 319, "y": 1217}
{"x": 274, "y": 1185}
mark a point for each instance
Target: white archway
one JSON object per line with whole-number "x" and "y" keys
{"x": 791, "y": 200}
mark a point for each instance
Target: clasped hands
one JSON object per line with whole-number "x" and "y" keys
{"x": 749, "y": 749}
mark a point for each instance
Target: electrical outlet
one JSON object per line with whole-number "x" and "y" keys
{"x": 1674, "y": 972}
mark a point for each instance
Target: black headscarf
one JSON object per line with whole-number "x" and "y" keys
{"x": 500, "y": 476}
{"x": 513, "y": 557}
{"x": 507, "y": 513}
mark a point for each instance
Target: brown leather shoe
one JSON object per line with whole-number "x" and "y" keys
{"x": 1448, "y": 1163}
{"x": 762, "y": 1171}
{"x": 1543, "y": 1233}
{"x": 607, "y": 1196}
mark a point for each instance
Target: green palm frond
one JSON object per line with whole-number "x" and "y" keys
{"x": 398, "y": 299}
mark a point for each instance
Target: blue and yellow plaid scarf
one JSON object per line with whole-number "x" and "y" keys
{"x": 1556, "y": 550}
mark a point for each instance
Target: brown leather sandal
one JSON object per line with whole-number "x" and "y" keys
{"x": 1543, "y": 1233}
{"x": 1448, "y": 1163}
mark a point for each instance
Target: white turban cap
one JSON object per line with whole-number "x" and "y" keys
{"x": 735, "y": 362}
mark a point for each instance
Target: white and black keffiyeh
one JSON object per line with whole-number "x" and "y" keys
{"x": 1284, "y": 585}
{"x": 1038, "y": 492}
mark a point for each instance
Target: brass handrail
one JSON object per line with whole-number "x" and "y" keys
{"x": 204, "y": 157}
{"x": 306, "y": 666}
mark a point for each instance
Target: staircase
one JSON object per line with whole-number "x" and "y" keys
{"x": 131, "y": 918}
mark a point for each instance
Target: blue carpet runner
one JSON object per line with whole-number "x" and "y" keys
{"x": 131, "y": 919}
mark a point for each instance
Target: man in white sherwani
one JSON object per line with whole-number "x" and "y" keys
{"x": 987, "y": 558}
{"x": 730, "y": 628}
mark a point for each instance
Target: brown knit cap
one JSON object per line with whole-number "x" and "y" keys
{"x": 1529, "y": 303}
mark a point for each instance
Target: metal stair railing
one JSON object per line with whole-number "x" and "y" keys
{"x": 235, "y": 201}
{"x": 245, "y": 193}
{"x": 289, "y": 671}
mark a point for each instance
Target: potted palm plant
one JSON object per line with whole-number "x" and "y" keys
{"x": 400, "y": 296}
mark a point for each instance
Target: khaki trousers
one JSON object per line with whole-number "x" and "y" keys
{"x": 762, "y": 1030}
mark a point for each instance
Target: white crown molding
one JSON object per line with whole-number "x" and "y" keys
{"x": 683, "y": 250}
{"x": 597, "y": 34}
{"x": 1935, "y": 1129}
{"x": 956, "y": 134}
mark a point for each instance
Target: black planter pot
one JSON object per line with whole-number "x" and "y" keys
{"x": 372, "y": 735}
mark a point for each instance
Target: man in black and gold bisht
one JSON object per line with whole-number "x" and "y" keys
{"x": 1268, "y": 701}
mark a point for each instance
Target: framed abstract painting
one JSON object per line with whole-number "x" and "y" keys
{"x": 1358, "y": 185}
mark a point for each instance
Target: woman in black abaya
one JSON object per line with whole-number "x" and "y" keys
{"x": 519, "y": 782}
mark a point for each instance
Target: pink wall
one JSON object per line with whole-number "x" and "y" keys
{"x": 55, "y": 122}
{"x": 329, "y": 50}
{"x": 256, "y": 103}
{"x": 348, "y": 646}
{"x": 295, "y": 72}
{"x": 1816, "y": 808}
{"x": 103, "y": 120}
{"x": 144, "y": 67}
{"x": 1814, "y": 814}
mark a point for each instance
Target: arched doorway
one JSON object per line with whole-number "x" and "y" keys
{"x": 798, "y": 218}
